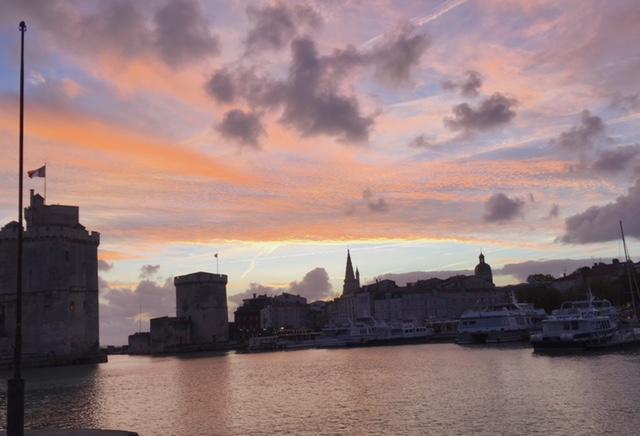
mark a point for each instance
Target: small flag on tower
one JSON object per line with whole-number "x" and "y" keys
{"x": 40, "y": 172}
{"x": 215, "y": 255}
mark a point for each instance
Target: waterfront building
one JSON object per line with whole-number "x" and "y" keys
{"x": 201, "y": 298}
{"x": 247, "y": 317}
{"x": 424, "y": 300}
{"x": 286, "y": 311}
{"x": 60, "y": 286}
{"x": 139, "y": 343}
{"x": 169, "y": 334}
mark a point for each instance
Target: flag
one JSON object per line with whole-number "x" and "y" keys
{"x": 215, "y": 255}
{"x": 40, "y": 172}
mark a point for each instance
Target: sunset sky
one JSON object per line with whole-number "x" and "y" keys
{"x": 279, "y": 134}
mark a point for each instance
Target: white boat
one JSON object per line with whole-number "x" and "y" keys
{"x": 499, "y": 323}
{"x": 586, "y": 324}
{"x": 591, "y": 323}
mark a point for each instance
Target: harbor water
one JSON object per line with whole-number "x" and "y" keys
{"x": 414, "y": 389}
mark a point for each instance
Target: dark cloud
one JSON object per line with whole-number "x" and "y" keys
{"x": 310, "y": 99}
{"x": 374, "y": 204}
{"x": 177, "y": 31}
{"x": 103, "y": 265}
{"x": 315, "y": 285}
{"x": 314, "y": 106}
{"x": 369, "y": 203}
{"x": 221, "y": 86}
{"x": 600, "y": 223}
{"x": 275, "y": 25}
{"x": 500, "y": 208}
{"x": 554, "y": 212}
{"x": 468, "y": 87}
{"x": 182, "y": 33}
{"x": 492, "y": 112}
{"x": 582, "y": 137}
{"x": 121, "y": 308}
{"x": 244, "y": 127}
{"x": 626, "y": 103}
{"x": 421, "y": 141}
{"x": 616, "y": 160}
{"x": 148, "y": 271}
{"x": 398, "y": 54}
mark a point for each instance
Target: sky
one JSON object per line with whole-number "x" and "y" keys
{"x": 280, "y": 134}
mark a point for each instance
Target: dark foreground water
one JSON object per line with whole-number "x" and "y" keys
{"x": 421, "y": 389}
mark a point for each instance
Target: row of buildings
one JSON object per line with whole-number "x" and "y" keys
{"x": 423, "y": 301}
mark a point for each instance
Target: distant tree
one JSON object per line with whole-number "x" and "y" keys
{"x": 540, "y": 278}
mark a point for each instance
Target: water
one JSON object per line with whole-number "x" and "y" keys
{"x": 420, "y": 389}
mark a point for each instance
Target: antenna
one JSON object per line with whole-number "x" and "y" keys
{"x": 631, "y": 276}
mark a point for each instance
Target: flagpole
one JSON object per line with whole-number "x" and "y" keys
{"x": 15, "y": 385}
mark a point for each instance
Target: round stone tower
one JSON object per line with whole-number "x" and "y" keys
{"x": 202, "y": 298}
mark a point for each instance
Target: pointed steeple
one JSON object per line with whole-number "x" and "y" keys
{"x": 358, "y": 276}
{"x": 350, "y": 283}
{"x": 348, "y": 274}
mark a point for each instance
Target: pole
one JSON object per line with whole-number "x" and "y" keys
{"x": 45, "y": 183}
{"x": 631, "y": 273}
{"x": 15, "y": 391}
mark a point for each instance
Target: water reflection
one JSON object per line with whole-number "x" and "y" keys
{"x": 432, "y": 388}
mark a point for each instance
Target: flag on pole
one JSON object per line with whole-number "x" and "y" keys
{"x": 215, "y": 255}
{"x": 40, "y": 172}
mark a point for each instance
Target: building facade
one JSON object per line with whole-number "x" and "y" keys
{"x": 286, "y": 311}
{"x": 60, "y": 286}
{"x": 422, "y": 301}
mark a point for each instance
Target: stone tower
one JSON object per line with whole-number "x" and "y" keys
{"x": 202, "y": 298}
{"x": 60, "y": 286}
{"x": 483, "y": 270}
{"x": 351, "y": 282}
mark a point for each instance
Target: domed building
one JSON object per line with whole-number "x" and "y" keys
{"x": 483, "y": 270}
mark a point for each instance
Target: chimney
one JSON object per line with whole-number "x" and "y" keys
{"x": 31, "y": 197}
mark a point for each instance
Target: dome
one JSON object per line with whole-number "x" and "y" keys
{"x": 483, "y": 270}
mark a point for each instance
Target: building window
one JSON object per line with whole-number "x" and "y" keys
{"x": 72, "y": 307}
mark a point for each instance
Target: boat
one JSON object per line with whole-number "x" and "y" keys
{"x": 591, "y": 323}
{"x": 511, "y": 322}
{"x": 368, "y": 332}
{"x": 587, "y": 324}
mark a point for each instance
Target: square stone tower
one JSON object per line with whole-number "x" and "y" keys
{"x": 202, "y": 298}
{"x": 60, "y": 286}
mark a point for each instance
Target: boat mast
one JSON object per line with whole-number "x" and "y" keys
{"x": 633, "y": 284}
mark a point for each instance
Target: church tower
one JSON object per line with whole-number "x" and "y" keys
{"x": 483, "y": 270}
{"x": 351, "y": 283}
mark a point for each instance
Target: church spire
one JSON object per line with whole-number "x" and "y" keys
{"x": 348, "y": 274}
{"x": 350, "y": 283}
{"x": 357, "y": 276}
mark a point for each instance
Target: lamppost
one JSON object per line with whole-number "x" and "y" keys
{"x": 15, "y": 388}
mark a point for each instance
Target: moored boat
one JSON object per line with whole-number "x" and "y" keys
{"x": 511, "y": 322}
